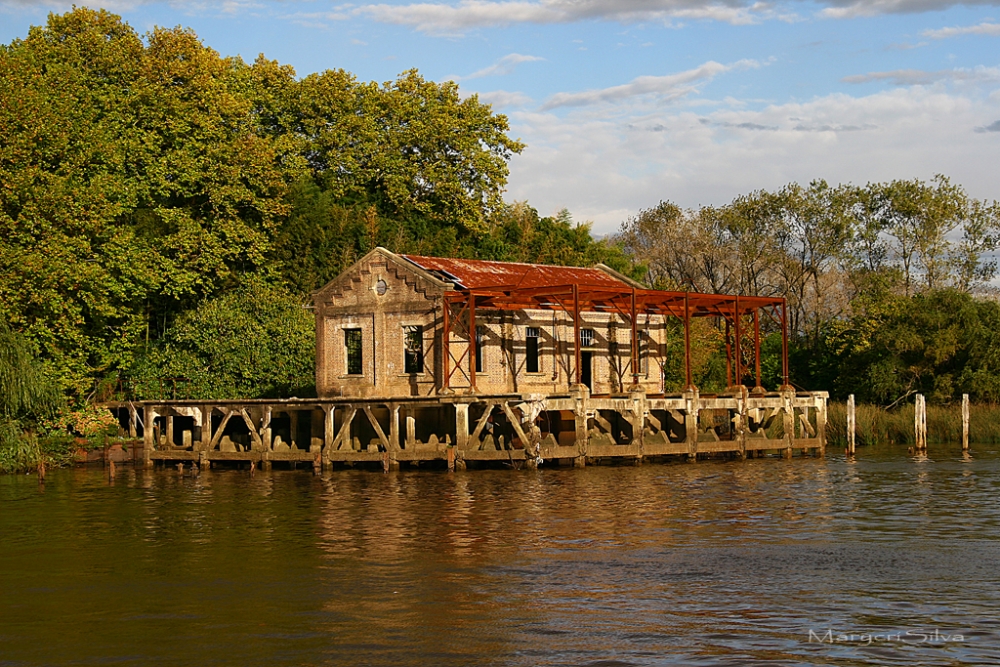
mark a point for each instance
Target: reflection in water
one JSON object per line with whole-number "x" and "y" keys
{"x": 708, "y": 564}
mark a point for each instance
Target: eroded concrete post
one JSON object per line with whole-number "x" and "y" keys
{"x": 788, "y": 420}
{"x": 461, "y": 425}
{"x": 821, "y": 402}
{"x": 741, "y": 422}
{"x": 147, "y": 436}
{"x": 965, "y": 422}
{"x": 581, "y": 398}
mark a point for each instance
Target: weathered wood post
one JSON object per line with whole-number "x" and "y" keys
{"x": 461, "y": 425}
{"x": 851, "y": 425}
{"x": 170, "y": 430}
{"x": 691, "y": 400}
{"x": 920, "y": 423}
{"x": 965, "y": 422}
{"x": 147, "y": 436}
{"x": 740, "y": 419}
{"x": 581, "y": 400}
{"x": 788, "y": 420}
{"x": 133, "y": 417}
{"x": 394, "y": 435}
{"x": 821, "y": 424}
{"x": 329, "y": 434}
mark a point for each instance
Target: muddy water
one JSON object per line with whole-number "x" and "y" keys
{"x": 716, "y": 563}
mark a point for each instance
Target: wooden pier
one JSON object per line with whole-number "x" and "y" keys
{"x": 574, "y": 428}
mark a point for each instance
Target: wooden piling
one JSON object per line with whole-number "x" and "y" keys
{"x": 965, "y": 422}
{"x": 920, "y": 423}
{"x": 851, "y": 425}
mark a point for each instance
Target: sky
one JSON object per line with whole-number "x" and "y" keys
{"x": 626, "y": 103}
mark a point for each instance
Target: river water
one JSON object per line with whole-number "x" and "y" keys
{"x": 763, "y": 562}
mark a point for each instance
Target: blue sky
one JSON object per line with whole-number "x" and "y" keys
{"x": 626, "y": 103}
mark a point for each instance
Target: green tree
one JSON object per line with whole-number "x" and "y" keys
{"x": 254, "y": 341}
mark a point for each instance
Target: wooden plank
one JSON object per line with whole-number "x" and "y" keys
{"x": 173, "y": 455}
{"x": 299, "y": 455}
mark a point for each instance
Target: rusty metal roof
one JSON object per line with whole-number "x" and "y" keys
{"x": 476, "y": 274}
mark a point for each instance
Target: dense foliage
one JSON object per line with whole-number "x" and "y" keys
{"x": 165, "y": 213}
{"x": 164, "y": 210}
{"x": 888, "y": 285}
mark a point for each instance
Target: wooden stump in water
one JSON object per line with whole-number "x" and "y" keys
{"x": 965, "y": 422}
{"x": 851, "y": 425}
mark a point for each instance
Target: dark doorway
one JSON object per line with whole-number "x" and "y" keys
{"x": 586, "y": 366}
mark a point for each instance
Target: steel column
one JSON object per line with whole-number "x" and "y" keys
{"x": 446, "y": 342}
{"x": 784, "y": 342}
{"x": 756, "y": 343}
{"x": 729, "y": 354}
{"x": 576, "y": 331}
{"x": 738, "y": 352}
{"x": 472, "y": 341}
{"x": 635, "y": 343}
{"x": 687, "y": 342}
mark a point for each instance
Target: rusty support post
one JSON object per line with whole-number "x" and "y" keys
{"x": 576, "y": 331}
{"x": 635, "y": 343}
{"x": 687, "y": 342}
{"x": 784, "y": 343}
{"x": 738, "y": 348}
{"x": 445, "y": 342}
{"x": 729, "y": 354}
{"x": 756, "y": 350}
{"x": 472, "y": 341}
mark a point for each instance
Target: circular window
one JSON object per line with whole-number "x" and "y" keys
{"x": 381, "y": 287}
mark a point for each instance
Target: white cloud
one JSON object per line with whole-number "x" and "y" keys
{"x": 666, "y": 88}
{"x": 501, "y": 67}
{"x": 454, "y": 18}
{"x": 604, "y": 167}
{"x": 501, "y": 99}
{"x": 916, "y": 77}
{"x": 985, "y": 28}
{"x": 436, "y": 17}
{"x": 845, "y": 9}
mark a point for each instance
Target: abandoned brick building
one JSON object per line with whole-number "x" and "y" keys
{"x": 425, "y": 358}
{"x": 399, "y": 325}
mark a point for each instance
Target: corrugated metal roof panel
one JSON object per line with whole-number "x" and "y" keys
{"x": 479, "y": 274}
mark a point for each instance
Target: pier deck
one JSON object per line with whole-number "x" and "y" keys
{"x": 521, "y": 429}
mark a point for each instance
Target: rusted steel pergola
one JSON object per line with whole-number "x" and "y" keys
{"x": 629, "y": 303}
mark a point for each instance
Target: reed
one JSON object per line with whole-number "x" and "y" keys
{"x": 878, "y": 426}
{"x": 22, "y": 451}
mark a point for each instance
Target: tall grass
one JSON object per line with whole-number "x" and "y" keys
{"x": 878, "y": 426}
{"x": 22, "y": 451}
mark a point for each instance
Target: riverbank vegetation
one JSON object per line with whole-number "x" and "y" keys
{"x": 166, "y": 211}
{"x": 876, "y": 425}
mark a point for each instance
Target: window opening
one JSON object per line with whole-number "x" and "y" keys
{"x": 531, "y": 349}
{"x": 352, "y": 343}
{"x": 480, "y": 334}
{"x": 413, "y": 349}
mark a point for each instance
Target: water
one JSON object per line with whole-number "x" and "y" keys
{"x": 714, "y": 563}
